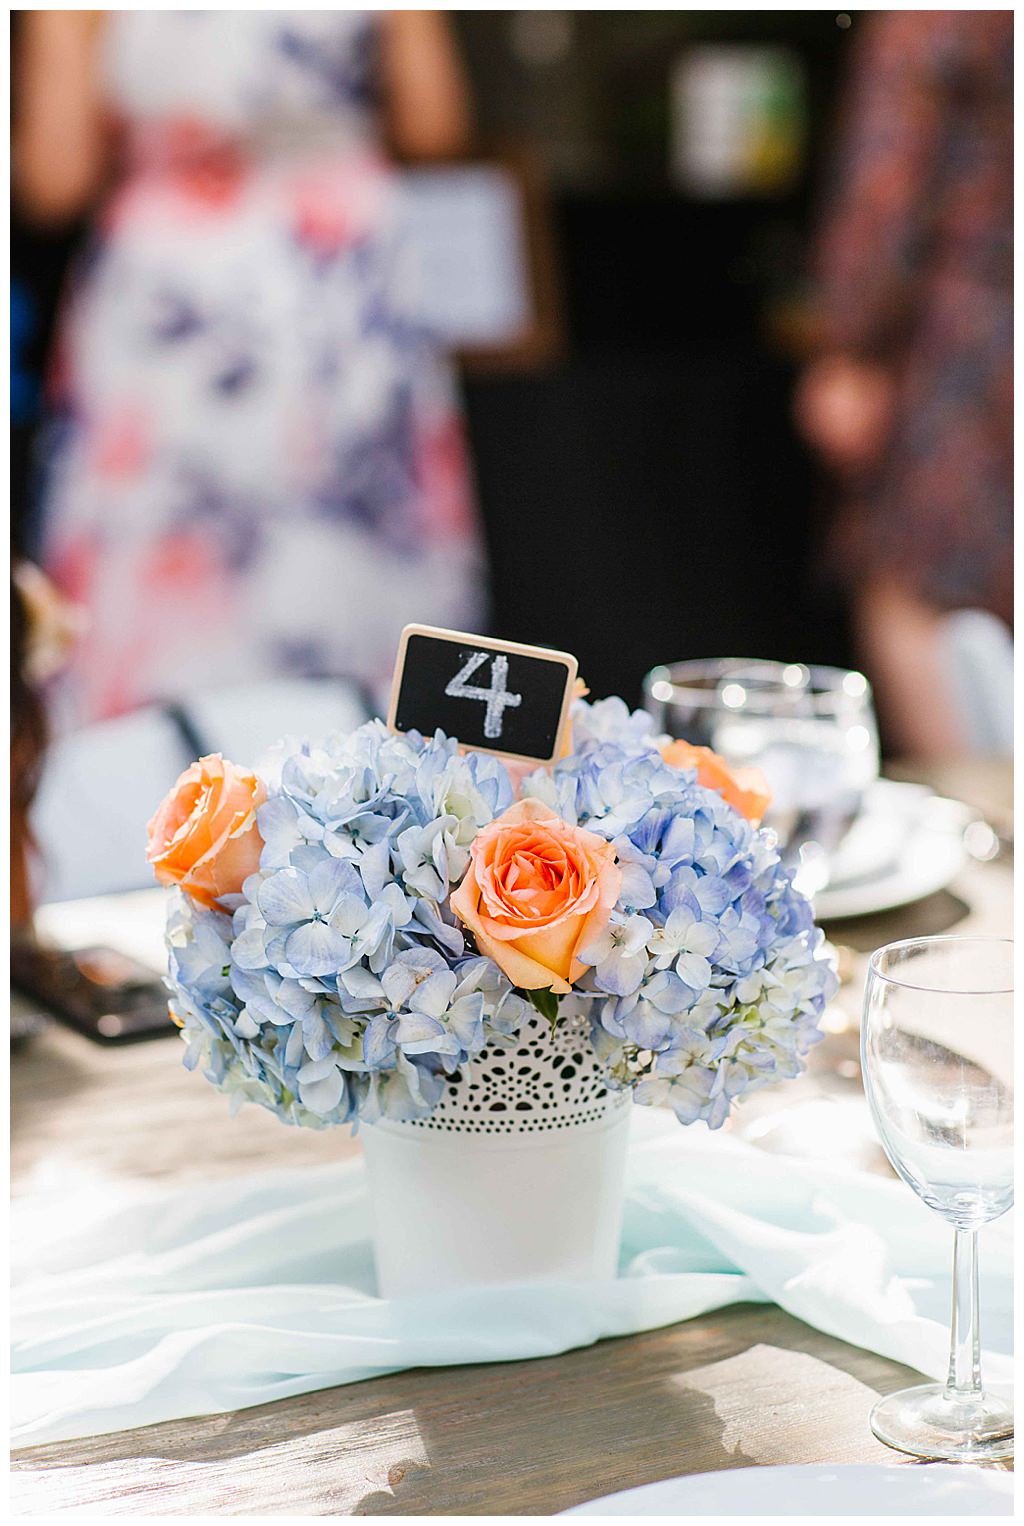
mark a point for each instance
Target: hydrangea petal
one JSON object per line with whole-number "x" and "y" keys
{"x": 316, "y": 948}
{"x": 284, "y": 898}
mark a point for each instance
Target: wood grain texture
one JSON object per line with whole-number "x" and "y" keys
{"x": 749, "y": 1385}
{"x": 745, "y": 1385}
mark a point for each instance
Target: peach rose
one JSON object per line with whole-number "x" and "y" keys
{"x": 204, "y": 836}
{"x": 746, "y": 789}
{"x": 537, "y": 891}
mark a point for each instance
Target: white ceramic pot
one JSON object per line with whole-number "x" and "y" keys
{"x": 517, "y": 1176}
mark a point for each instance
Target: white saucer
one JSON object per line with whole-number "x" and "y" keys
{"x": 938, "y": 1489}
{"x": 906, "y": 843}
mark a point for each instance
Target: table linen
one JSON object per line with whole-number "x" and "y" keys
{"x": 255, "y": 1288}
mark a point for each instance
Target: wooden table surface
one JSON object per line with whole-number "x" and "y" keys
{"x": 744, "y": 1385}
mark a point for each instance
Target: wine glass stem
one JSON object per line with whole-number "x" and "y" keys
{"x": 964, "y": 1381}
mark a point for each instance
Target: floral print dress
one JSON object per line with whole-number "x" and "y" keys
{"x": 916, "y": 271}
{"x": 257, "y": 463}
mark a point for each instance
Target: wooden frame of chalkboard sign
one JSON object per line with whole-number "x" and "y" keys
{"x": 441, "y": 682}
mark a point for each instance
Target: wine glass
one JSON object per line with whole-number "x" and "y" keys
{"x": 811, "y": 731}
{"x": 937, "y": 1059}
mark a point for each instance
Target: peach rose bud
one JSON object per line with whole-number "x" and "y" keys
{"x": 536, "y": 892}
{"x": 746, "y": 789}
{"x": 204, "y": 836}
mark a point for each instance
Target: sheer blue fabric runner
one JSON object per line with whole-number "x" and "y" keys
{"x": 255, "y": 1288}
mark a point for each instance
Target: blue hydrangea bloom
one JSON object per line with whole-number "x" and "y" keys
{"x": 711, "y": 977}
{"x": 341, "y": 987}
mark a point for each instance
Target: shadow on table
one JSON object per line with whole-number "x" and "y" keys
{"x": 571, "y": 1449}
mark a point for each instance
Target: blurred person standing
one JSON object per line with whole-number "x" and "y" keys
{"x": 256, "y": 462}
{"x": 909, "y": 400}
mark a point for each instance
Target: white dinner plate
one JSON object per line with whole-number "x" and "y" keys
{"x": 938, "y": 1489}
{"x": 905, "y": 844}
{"x": 132, "y": 921}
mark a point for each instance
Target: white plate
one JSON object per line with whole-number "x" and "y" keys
{"x": 132, "y": 921}
{"x": 938, "y": 1489}
{"x": 905, "y": 844}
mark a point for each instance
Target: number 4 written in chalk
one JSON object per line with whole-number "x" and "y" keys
{"x": 496, "y": 698}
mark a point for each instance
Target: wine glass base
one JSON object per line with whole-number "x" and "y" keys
{"x": 926, "y": 1422}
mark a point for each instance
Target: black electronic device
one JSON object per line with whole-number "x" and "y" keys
{"x": 102, "y": 993}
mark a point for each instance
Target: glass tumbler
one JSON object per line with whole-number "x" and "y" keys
{"x": 810, "y": 730}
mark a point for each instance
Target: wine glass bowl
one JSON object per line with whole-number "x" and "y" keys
{"x": 937, "y": 1061}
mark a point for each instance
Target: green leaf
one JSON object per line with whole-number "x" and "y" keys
{"x": 546, "y": 1003}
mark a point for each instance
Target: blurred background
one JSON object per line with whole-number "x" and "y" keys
{"x": 649, "y": 335}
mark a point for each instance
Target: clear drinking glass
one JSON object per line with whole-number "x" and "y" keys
{"x": 811, "y": 731}
{"x": 937, "y": 1057}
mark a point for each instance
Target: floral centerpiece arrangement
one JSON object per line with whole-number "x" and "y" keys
{"x": 354, "y": 928}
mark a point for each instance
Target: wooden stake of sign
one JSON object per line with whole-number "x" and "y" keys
{"x": 499, "y": 697}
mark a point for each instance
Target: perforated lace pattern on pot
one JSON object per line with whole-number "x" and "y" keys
{"x": 533, "y": 1083}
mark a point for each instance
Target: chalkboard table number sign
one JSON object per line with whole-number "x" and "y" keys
{"x": 496, "y": 696}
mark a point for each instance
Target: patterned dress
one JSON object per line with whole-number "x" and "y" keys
{"x": 257, "y": 462}
{"x": 916, "y": 272}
